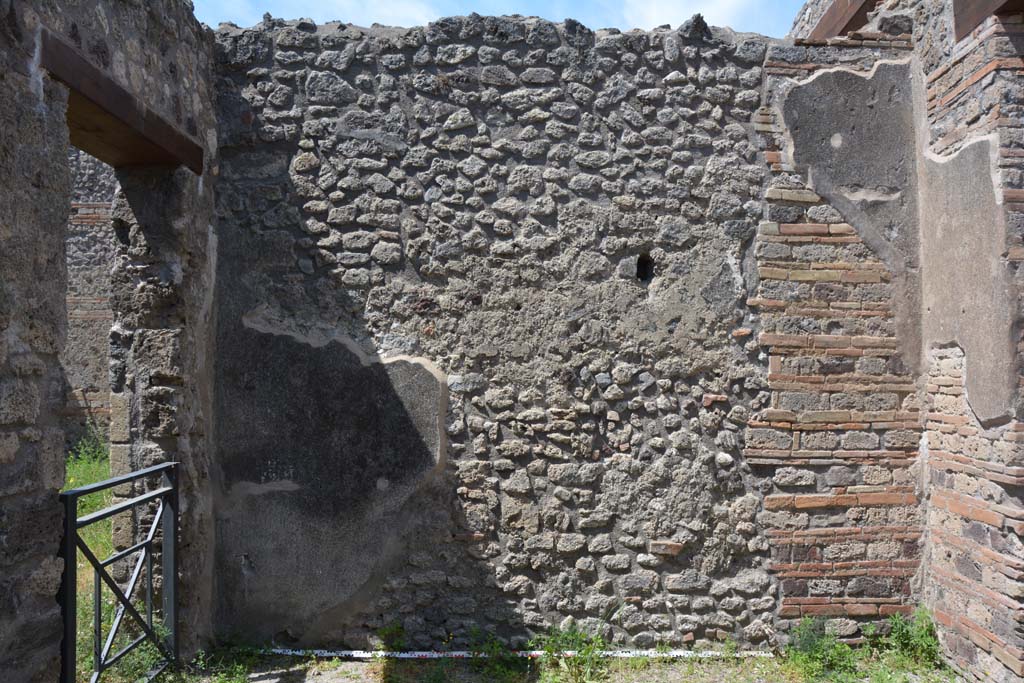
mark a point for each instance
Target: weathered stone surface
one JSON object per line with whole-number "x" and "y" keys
{"x": 40, "y": 286}
{"x": 665, "y": 318}
{"x": 90, "y": 245}
{"x": 473, "y": 209}
{"x": 33, "y": 166}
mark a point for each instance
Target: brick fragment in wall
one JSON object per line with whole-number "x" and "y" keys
{"x": 967, "y": 531}
{"x": 971, "y": 578}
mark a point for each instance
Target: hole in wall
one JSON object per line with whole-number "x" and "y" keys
{"x": 644, "y": 268}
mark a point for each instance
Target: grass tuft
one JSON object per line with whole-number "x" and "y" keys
{"x": 585, "y": 665}
{"x": 910, "y": 652}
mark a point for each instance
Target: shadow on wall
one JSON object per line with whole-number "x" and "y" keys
{"x": 337, "y": 518}
{"x": 333, "y": 474}
{"x": 594, "y": 329}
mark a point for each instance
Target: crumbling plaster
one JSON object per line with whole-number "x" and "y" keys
{"x": 946, "y": 247}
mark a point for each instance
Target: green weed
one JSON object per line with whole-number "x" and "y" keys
{"x": 88, "y": 462}
{"x": 819, "y": 655}
{"x": 914, "y": 638}
{"x": 495, "y": 660}
{"x": 585, "y": 665}
{"x": 392, "y": 638}
{"x": 910, "y": 652}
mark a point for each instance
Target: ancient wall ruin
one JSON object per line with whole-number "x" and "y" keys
{"x": 90, "y": 245}
{"x": 840, "y": 436}
{"x": 965, "y": 137}
{"x": 160, "y": 292}
{"x": 33, "y": 163}
{"x": 548, "y": 225}
{"x": 679, "y": 335}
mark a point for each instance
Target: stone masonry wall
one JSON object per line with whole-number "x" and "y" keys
{"x": 971, "y": 97}
{"x": 155, "y": 49}
{"x": 90, "y": 258}
{"x": 974, "y": 575}
{"x": 505, "y": 324}
{"x": 974, "y": 568}
{"x": 808, "y": 17}
{"x": 554, "y": 222}
{"x": 34, "y": 172}
{"x": 160, "y": 53}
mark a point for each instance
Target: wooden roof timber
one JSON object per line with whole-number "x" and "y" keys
{"x": 841, "y": 17}
{"x": 968, "y": 14}
{"x": 110, "y": 123}
{"x": 844, "y": 16}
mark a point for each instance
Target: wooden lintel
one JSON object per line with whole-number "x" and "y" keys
{"x": 841, "y": 17}
{"x": 110, "y": 123}
{"x": 968, "y": 14}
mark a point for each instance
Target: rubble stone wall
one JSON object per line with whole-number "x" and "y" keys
{"x": 90, "y": 245}
{"x": 835, "y": 296}
{"x": 556, "y": 222}
{"x": 678, "y": 335}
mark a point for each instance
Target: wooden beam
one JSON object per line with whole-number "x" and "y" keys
{"x": 968, "y": 14}
{"x": 841, "y": 17}
{"x": 108, "y": 122}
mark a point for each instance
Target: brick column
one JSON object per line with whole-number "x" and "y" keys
{"x": 841, "y": 435}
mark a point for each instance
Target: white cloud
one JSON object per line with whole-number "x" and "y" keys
{"x": 650, "y": 13}
{"x": 241, "y": 12}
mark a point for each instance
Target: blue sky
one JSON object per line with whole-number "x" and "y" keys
{"x": 770, "y": 17}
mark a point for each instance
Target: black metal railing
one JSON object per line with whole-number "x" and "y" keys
{"x": 166, "y": 520}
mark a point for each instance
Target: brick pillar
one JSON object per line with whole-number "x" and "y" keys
{"x": 974, "y": 576}
{"x": 842, "y": 431}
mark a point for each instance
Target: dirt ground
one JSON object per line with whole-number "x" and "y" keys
{"x": 449, "y": 671}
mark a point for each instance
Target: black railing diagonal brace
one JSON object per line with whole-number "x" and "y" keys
{"x": 136, "y": 572}
{"x": 121, "y": 653}
{"x": 116, "y": 590}
{"x": 166, "y": 520}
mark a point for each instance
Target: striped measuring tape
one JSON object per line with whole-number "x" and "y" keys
{"x": 532, "y": 654}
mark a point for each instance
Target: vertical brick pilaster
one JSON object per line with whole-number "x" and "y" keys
{"x": 843, "y": 427}
{"x": 974, "y": 574}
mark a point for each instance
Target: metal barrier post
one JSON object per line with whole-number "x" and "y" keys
{"x": 68, "y": 608}
{"x": 166, "y": 495}
{"x": 170, "y": 560}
